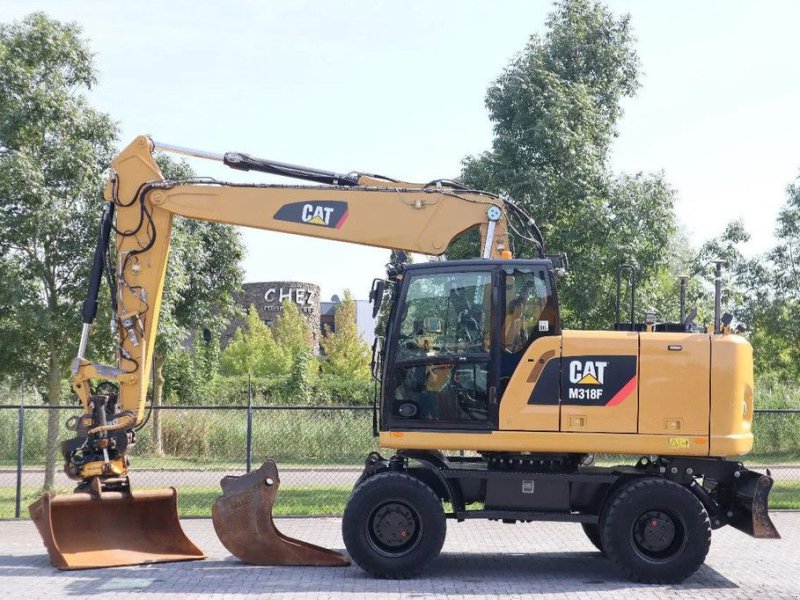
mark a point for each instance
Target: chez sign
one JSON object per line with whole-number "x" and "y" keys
{"x": 276, "y": 296}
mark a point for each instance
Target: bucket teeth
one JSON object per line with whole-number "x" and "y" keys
{"x": 242, "y": 518}
{"x": 84, "y": 531}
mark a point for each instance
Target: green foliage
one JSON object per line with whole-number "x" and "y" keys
{"x": 346, "y": 354}
{"x": 189, "y": 375}
{"x": 334, "y": 389}
{"x": 302, "y": 375}
{"x": 763, "y": 292}
{"x": 54, "y": 150}
{"x": 203, "y": 273}
{"x": 293, "y": 333}
{"x": 282, "y": 352}
{"x": 185, "y": 383}
{"x": 295, "y": 501}
{"x": 555, "y": 110}
{"x": 293, "y": 336}
{"x": 771, "y": 296}
{"x": 255, "y": 351}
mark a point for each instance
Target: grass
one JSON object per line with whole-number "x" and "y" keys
{"x": 197, "y": 501}
{"x": 219, "y": 438}
{"x": 785, "y": 494}
{"x": 315, "y": 500}
{"x": 176, "y": 463}
{"x": 291, "y": 502}
{"x": 8, "y": 496}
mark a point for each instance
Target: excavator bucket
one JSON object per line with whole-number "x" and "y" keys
{"x": 83, "y": 531}
{"x": 243, "y": 521}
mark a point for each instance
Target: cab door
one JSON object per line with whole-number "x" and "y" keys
{"x": 530, "y": 349}
{"x": 439, "y": 372}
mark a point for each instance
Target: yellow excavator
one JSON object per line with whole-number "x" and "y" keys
{"x": 489, "y": 407}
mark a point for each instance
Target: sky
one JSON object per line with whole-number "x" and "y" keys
{"x": 398, "y": 88}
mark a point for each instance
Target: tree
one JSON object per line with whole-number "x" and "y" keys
{"x": 737, "y": 272}
{"x": 761, "y": 292}
{"x": 254, "y": 350}
{"x": 291, "y": 330}
{"x": 346, "y": 354}
{"x": 203, "y": 273}
{"x": 293, "y": 334}
{"x": 54, "y": 151}
{"x": 554, "y": 111}
{"x": 771, "y": 285}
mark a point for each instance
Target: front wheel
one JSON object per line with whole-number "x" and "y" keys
{"x": 393, "y": 525}
{"x": 655, "y": 531}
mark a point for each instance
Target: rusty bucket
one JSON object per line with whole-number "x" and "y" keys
{"x": 82, "y": 531}
{"x": 243, "y": 521}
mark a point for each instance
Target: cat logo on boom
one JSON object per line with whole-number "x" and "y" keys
{"x": 322, "y": 213}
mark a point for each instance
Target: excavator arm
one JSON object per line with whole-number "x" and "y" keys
{"x": 361, "y": 209}
{"x": 112, "y": 524}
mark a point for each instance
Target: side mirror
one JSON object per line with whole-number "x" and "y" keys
{"x": 376, "y": 296}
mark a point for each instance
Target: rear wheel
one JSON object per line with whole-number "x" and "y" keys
{"x": 393, "y": 525}
{"x": 592, "y": 531}
{"x": 656, "y": 531}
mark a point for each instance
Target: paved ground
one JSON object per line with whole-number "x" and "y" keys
{"x": 480, "y": 560}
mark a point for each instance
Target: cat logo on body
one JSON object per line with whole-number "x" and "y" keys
{"x": 589, "y": 372}
{"x": 322, "y": 213}
{"x": 587, "y": 380}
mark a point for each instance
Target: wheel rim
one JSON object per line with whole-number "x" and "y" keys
{"x": 394, "y": 528}
{"x": 658, "y": 535}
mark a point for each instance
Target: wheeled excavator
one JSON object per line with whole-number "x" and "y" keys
{"x": 486, "y": 405}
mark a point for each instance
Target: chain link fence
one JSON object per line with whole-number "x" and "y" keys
{"x": 319, "y": 450}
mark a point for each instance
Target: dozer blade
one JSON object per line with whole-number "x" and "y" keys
{"x": 750, "y": 505}
{"x": 81, "y": 531}
{"x": 243, "y": 521}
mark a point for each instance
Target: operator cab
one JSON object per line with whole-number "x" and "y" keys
{"x": 456, "y": 332}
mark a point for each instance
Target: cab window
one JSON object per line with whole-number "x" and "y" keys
{"x": 441, "y": 366}
{"x": 446, "y": 314}
{"x": 529, "y": 309}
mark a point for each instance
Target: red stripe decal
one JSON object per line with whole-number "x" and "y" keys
{"x": 342, "y": 220}
{"x": 623, "y": 394}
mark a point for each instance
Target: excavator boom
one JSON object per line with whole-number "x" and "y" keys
{"x": 108, "y": 524}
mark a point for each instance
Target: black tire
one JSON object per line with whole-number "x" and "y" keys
{"x": 381, "y": 512}
{"x": 592, "y": 531}
{"x": 655, "y": 531}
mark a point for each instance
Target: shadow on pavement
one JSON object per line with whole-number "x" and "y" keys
{"x": 451, "y": 574}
